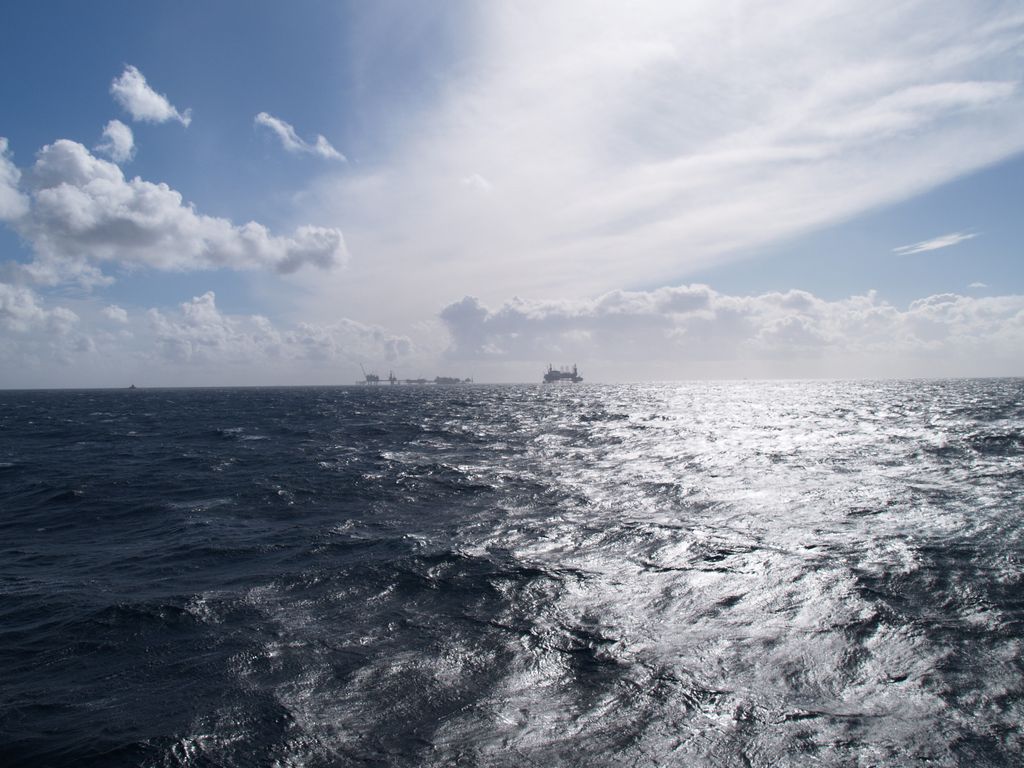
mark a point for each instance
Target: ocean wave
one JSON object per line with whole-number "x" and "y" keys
{"x": 708, "y": 574}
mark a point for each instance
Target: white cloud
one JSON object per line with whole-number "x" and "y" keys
{"x": 193, "y": 343}
{"x": 978, "y": 285}
{"x": 477, "y": 182}
{"x": 646, "y": 142}
{"x": 21, "y": 311}
{"x": 292, "y": 143}
{"x": 943, "y": 241}
{"x": 200, "y": 331}
{"x": 688, "y": 325}
{"x": 115, "y": 314}
{"x": 912, "y": 107}
{"x": 132, "y": 92}
{"x": 85, "y": 213}
{"x": 18, "y": 307}
{"x": 684, "y": 331}
{"x": 13, "y": 204}
{"x": 119, "y": 143}
{"x": 348, "y": 339}
{"x": 33, "y": 335}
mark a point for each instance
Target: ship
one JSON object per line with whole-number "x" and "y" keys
{"x": 554, "y": 375}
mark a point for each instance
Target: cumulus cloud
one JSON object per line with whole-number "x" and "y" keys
{"x": 118, "y": 142}
{"x": 22, "y": 312}
{"x": 200, "y": 332}
{"x": 292, "y": 143}
{"x": 977, "y": 285}
{"x": 943, "y": 241}
{"x": 671, "y": 332}
{"x": 115, "y": 314}
{"x": 348, "y": 339}
{"x": 84, "y": 212}
{"x": 13, "y": 204}
{"x": 33, "y": 335}
{"x": 695, "y": 322}
{"x": 18, "y": 307}
{"x": 132, "y": 92}
{"x": 195, "y": 342}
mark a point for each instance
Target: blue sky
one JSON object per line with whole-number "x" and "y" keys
{"x": 227, "y": 61}
{"x": 666, "y": 191}
{"x": 857, "y": 255}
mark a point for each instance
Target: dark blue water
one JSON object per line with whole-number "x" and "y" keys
{"x": 749, "y": 574}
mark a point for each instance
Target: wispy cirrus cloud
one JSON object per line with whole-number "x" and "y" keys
{"x": 292, "y": 143}
{"x": 132, "y": 92}
{"x": 638, "y": 145}
{"x": 942, "y": 241}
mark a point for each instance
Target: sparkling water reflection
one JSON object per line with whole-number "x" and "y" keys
{"x": 702, "y": 574}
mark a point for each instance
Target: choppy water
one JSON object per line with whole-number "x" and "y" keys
{"x": 741, "y": 574}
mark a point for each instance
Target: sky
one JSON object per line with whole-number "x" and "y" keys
{"x": 260, "y": 193}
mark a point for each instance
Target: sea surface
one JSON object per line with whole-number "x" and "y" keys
{"x": 705, "y": 574}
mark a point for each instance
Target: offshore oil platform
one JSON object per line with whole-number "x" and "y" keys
{"x": 555, "y": 375}
{"x": 374, "y": 379}
{"x": 370, "y": 378}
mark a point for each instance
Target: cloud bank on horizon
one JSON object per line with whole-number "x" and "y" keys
{"x": 194, "y": 343}
{"x": 612, "y": 336}
{"x": 576, "y": 158}
{"x": 698, "y": 324}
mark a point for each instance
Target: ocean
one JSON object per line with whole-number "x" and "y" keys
{"x": 820, "y": 573}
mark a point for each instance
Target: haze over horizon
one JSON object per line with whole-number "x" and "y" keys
{"x": 269, "y": 194}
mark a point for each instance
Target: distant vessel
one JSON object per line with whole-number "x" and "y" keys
{"x": 448, "y": 380}
{"x": 554, "y": 375}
